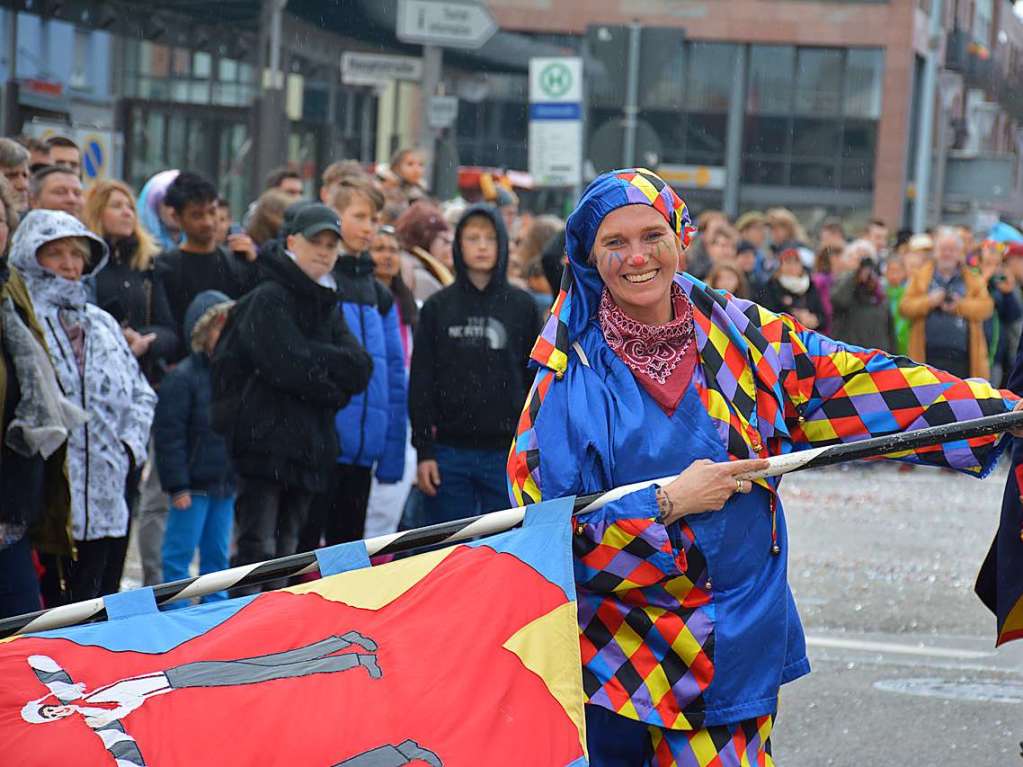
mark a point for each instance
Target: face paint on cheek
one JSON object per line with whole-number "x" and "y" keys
{"x": 666, "y": 254}
{"x": 613, "y": 260}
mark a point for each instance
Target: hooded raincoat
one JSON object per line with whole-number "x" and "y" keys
{"x": 693, "y": 625}
{"x": 108, "y": 385}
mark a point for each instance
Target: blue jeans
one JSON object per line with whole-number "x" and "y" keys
{"x": 471, "y": 482}
{"x": 206, "y": 524}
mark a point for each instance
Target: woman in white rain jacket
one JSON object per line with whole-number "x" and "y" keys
{"x": 95, "y": 370}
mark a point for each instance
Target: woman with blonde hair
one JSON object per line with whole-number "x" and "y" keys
{"x": 124, "y": 289}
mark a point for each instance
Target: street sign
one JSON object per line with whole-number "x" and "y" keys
{"x": 447, "y": 23}
{"x": 378, "y": 69}
{"x": 442, "y": 111}
{"x": 555, "y": 121}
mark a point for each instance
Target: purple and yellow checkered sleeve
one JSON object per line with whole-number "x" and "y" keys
{"x": 842, "y": 393}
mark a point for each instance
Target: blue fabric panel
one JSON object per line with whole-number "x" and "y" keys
{"x": 342, "y": 558}
{"x": 125, "y": 604}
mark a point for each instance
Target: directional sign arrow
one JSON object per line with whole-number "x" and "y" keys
{"x": 447, "y": 23}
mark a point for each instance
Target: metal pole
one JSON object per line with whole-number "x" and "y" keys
{"x": 271, "y": 123}
{"x": 733, "y": 145}
{"x": 498, "y": 521}
{"x": 11, "y": 107}
{"x": 433, "y": 61}
{"x": 12, "y": 44}
{"x": 275, "y": 42}
{"x": 631, "y": 97}
{"x": 925, "y": 130}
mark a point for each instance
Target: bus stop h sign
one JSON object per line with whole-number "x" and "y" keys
{"x": 555, "y": 121}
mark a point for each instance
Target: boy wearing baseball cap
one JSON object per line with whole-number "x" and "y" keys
{"x": 285, "y": 365}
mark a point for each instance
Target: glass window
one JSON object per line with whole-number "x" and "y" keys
{"x": 768, "y": 135}
{"x": 664, "y": 88}
{"x": 181, "y": 62}
{"x": 514, "y": 121}
{"x": 858, "y": 175}
{"x": 982, "y": 16}
{"x": 670, "y": 128}
{"x": 202, "y": 65}
{"x": 227, "y": 71}
{"x": 818, "y": 81}
{"x": 705, "y": 138}
{"x": 769, "y": 89}
{"x": 860, "y": 139}
{"x": 709, "y": 68}
{"x": 467, "y": 121}
{"x": 159, "y": 63}
{"x": 815, "y": 137}
{"x": 768, "y": 172}
{"x": 80, "y": 67}
{"x": 863, "y": 70}
{"x": 145, "y": 58}
{"x": 819, "y": 174}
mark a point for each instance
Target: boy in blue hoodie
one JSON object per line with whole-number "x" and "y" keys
{"x": 372, "y": 428}
{"x": 195, "y": 469}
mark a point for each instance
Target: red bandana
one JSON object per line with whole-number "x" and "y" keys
{"x": 662, "y": 357}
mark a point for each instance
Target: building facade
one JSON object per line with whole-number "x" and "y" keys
{"x": 824, "y": 98}
{"x": 811, "y": 104}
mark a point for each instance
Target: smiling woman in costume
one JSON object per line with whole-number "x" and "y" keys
{"x": 688, "y": 627}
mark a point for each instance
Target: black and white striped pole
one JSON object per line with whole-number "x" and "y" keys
{"x": 499, "y": 521}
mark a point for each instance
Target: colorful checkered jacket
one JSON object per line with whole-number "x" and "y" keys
{"x": 663, "y": 644}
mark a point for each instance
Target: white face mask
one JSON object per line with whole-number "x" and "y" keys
{"x": 798, "y": 285}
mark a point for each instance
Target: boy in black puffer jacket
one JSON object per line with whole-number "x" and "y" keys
{"x": 286, "y": 364}
{"x": 194, "y": 466}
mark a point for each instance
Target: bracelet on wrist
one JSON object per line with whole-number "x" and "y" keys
{"x": 665, "y": 506}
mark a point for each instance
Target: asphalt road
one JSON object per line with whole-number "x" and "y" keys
{"x": 905, "y": 671}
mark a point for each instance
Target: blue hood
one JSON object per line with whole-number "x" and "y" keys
{"x": 581, "y": 284}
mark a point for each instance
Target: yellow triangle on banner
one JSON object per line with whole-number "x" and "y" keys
{"x": 549, "y": 647}
{"x": 1013, "y": 626}
{"x": 372, "y": 588}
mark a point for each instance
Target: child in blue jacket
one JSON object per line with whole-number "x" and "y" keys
{"x": 193, "y": 462}
{"x": 373, "y": 428}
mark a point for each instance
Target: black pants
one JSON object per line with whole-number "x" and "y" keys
{"x": 269, "y": 517}
{"x": 87, "y": 577}
{"x": 339, "y": 515}
{"x": 955, "y": 362}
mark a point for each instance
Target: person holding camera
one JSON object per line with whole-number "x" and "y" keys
{"x": 947, "y": 304}
{"x": 859, "y": 304}
{"x": 1001, "y": 330}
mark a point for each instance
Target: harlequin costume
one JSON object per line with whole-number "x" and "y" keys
{"x": 689, "y": 630}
